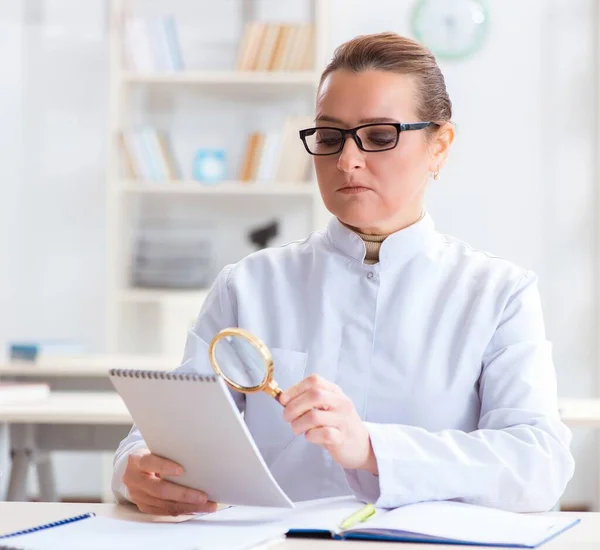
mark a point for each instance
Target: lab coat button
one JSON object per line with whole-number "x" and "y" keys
{"x": 370, "y": 275}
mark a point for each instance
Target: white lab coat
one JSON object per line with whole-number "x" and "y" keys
{"x": 441, "y": 348}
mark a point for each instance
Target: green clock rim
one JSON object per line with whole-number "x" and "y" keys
{"x": 418, "y": 8}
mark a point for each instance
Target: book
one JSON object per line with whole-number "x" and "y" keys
{"x": 253, "y": 46}
{"x": 294, "y": 162}
{"x": 436, "y": 522}
{"x": 151, "y": 44}
{"x": 281, "y": 46}
{"x": 270, "y": 152}
{"x": 243, "y": 50}
{"x": 252, "y": 155}
{"x": 148, "y": 155}
{"x": 19, "y": 392}
{"x": 267, "y": 48}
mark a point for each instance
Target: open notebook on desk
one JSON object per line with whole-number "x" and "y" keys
{"x": 434, "y": 522}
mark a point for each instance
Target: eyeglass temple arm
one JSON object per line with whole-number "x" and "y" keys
{"x": 405, "y": 127}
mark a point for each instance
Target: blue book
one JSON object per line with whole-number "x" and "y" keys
{"x": 173, "y": 45}
{"x": 441, "y": 522}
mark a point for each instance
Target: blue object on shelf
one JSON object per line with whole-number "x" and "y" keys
{"x": 209, "y": 165}
{"x": 31, "y": 350}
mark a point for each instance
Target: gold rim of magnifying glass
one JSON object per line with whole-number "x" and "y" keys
{"x": 267, "y": 384}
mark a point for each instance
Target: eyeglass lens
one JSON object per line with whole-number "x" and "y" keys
{"x": 325, "y": 141}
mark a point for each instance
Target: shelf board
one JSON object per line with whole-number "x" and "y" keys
{"x": 277, "y": 78}
{"x": 160, "y": 295}
{"x": 222, "y": 188}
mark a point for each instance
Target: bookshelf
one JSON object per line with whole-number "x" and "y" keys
{"x": 146, "y": 319}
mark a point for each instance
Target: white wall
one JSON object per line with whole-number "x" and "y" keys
{"x": 520, "y": 181}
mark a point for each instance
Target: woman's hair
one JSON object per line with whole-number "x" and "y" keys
{"x": 391, "y": 52}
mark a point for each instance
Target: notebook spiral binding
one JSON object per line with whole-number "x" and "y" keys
{"x": 42, "y": 528}
{"x": 159, "y": 375}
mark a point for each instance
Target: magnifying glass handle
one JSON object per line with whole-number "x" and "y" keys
{"x": 273, "y": 389}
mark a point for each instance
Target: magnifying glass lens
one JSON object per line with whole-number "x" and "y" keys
{"x": 240, "y": 362}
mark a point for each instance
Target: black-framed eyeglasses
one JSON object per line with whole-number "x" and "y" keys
{"x": 371, "y": 138}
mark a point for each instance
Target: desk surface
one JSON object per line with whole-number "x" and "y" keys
{"x": 96, "y": 408}
{"x": 86, "y": 365}
{"x": 22, "y": 515}
{"x": 580, "y": 412}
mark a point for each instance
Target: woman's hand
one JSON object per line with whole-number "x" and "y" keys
{"x": 154, "y": 495}
{"x": 321, "y": 411}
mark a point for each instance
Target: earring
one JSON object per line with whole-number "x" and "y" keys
{"x": 436, "y": 175}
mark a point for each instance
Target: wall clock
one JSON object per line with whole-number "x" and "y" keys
{"x": 451, "y": 29}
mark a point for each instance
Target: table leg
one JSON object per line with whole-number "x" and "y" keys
{"x": 46, "y": 480}
{"x": 4, "y": 459}
{"x": 22, "y": 446}
{"x": 17, "y": 481}
{"x": 21, "y": 454}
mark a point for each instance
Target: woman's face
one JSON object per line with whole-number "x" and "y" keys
{"x": 380, "y": 192}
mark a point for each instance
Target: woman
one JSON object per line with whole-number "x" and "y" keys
{"x": 416, "y": 367}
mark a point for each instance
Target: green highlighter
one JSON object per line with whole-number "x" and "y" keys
{"x": 361, "y": 515}
{"x": 367, "y": 511}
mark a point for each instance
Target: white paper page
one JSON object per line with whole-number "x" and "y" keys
{"x": 197, "y": 424}
{"x": 324, "y": 514}
{"x": 465, "y": 522}
{"x": 99, "y": 533}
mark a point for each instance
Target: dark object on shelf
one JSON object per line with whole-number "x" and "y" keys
{"x": 262, "y": 235}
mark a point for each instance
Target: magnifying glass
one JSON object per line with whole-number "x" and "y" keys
{"x": 243, "y": 361}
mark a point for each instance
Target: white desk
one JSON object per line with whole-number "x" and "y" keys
{"x": 583, "y": 413}
{"x": 21, "y": 515}
{"x": 88, "y": 421}
{"x": 105, "y": 408}
{"x": 72, "y": 373}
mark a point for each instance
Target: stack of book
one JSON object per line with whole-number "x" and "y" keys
{"x": 173, "y": 257}
{"x": 276, "y": 47}
{"x": 151, "y": 44}
{"x": 147, "y": 155}
{"x": 277, "y": 156}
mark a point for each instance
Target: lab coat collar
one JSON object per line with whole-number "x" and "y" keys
{"x": 397, "y": 247}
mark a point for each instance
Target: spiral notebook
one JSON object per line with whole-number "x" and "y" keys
{"x": 208, "y": 531}
{"x": 43, "y": 527}
{"x": 193, "y": 420}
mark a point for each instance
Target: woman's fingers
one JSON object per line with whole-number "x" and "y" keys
{"x": 157, "y": 465}
{"x": 166, "y": 490}
{"x": 315, "y": 418}
{"x": 312, "y": 382}
{"x": 325, "y": 436}
{"x": 153, "y": 505}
